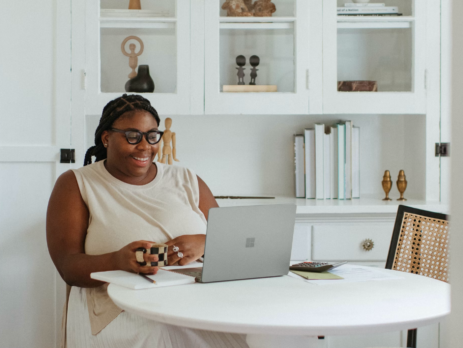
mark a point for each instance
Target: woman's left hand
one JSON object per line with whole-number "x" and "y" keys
{"x": 192, "y": 247}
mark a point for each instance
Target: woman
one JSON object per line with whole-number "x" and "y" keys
{"x": 100, "y": 214}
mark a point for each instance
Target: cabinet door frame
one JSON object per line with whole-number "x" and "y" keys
{"x": 297, "y": 102}
{"x": 177, "y": 103}
{"x": 335, "y": 102}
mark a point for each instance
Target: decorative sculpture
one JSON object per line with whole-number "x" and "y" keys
{"x": 387, "y": 184}
{"x": 236, "y": 8}
{"x": 134, "y": 5}
{"x": 241, "y": 61}
{"x": 249, "y": 5}
{"x": 133, "y": 56}
{"x": 401, "y": 185}
{"x": 167, "y": 138}
{"x": 263, "y": 8}
{"x": 142, "y": 82}
{"x": 357, "y": 86}
{"x": 254, "y": 60}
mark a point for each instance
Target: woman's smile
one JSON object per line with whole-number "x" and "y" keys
{"x": 141, "y": 161}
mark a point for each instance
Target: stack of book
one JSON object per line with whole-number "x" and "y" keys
{"x": 354, "y": 9}
{"x": 328, "y": 165}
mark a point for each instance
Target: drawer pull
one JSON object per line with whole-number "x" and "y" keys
{"x": 368, "y": 244}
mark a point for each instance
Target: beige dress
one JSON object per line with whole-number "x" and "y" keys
{"x": 121, "y": 213}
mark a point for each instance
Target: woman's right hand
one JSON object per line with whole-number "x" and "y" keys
{"x": 125, "y": 258}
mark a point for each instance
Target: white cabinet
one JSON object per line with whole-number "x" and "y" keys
{"x": 391, "y": 51}
{"x": 327, "y": 238}
{"x": 304, "y": 51}
{"x": 163, "y": 27}
{"x": 352, "y": 241}
{"x": 288, "y": 45}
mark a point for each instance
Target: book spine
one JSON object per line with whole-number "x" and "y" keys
{"x": 348, "y": 168}
{"x": 299, "y": 165}
{"x": 341, "y": 161}
{"x": 309, "y": 146}
{"x": 327, "y": 166}
{"x": 319, "y": 161}
{"x": 355, "y": 162}
{"x": 334, "y": 162}
{"x": 357, "y": 10}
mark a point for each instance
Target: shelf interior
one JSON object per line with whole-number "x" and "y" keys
{"x": 274, "y": 48}
{"x": 404, "y": 6}
{"x": 384, "y": 56}
{"x": 160, "y": 54}
{"x": 284, "y": 8}
{"x": 167, "y": 7}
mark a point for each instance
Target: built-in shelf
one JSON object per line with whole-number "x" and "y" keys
{"x": 366, "y": 22}
{"x": 257, "y": 22}
{"x": 137, "y": 22}
{"x": 335, "y": 206}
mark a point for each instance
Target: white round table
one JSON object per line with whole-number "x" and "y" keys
{"x": 288, "y": 312}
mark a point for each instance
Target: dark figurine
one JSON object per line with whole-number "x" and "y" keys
{"x": 241, "y": 61}
{"x": 254, "y": 60}
{"x": 142, "y": 83}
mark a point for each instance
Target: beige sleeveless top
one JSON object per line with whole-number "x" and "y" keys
{"x": 122, "y": 213}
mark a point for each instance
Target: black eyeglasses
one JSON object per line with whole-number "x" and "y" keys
{"x": 134, "y": 136}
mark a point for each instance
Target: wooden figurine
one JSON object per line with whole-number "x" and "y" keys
{"x": 134, "y": 5}
{"x": 236, "y": 8}
{"x": 401, "y": 185}
{"x": 387, "y": 184}
{"x": 133, "y": 56}
{"x": 167, "y": 138}
{"x": 263, "y": 8}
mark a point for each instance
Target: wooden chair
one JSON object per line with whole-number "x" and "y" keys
{"x": 419, "y": 245}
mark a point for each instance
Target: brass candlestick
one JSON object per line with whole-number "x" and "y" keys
{"x": 134, "y": 5}
{"x": 401, "y": 185}
{"x": 387, "y": 184}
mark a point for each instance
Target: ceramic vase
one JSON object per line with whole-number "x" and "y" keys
{"x": 142, "y": 83}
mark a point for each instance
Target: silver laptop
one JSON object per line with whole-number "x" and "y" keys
{"x": 246, "y": 242}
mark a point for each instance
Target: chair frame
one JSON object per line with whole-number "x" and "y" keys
{"x": 412, "y": 334}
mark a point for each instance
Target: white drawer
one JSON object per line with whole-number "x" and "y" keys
{"x": 344, "y": 242}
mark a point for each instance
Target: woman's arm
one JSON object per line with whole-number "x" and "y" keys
{"x": 206, "y": 198}
{"x": 192, "y": 246}
{"x": 67, "y": 223}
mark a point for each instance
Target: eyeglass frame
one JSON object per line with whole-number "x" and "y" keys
{"x": 142, "y": 134}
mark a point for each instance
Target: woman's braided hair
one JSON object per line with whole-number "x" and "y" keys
{"x": 111, "y": 112}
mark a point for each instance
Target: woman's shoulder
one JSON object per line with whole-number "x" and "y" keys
{"x": 176, "y": 171}
{"x": 90, "y": 168}
{"x": 66, "y": 182}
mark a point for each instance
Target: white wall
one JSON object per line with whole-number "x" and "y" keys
{"x": 456, "y": 333}
{"x": 253, "y": 155}
{"x": 29, "y": 124}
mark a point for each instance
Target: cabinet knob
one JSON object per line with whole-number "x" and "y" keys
{"x": 368, "y": 244}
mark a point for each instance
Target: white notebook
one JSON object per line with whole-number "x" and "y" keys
{"x": 136, "y": 282}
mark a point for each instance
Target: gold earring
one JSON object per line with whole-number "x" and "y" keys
{"x": 105, "y": 145}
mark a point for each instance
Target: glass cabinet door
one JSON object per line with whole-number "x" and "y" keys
{"x": 129, "y": 44}
{"x": 258, "y": 62}
{"x": 374, "y": 57}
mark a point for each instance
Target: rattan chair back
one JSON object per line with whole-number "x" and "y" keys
{"x": 420, "y": 243}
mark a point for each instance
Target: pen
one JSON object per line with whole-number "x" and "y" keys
{"x": 147, "y": 278}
